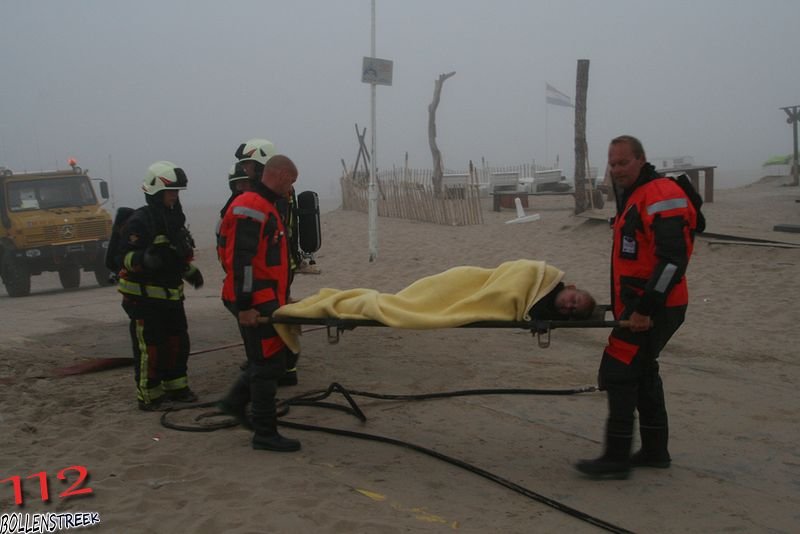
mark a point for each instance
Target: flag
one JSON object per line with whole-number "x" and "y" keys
{"x": 557, "y": 98}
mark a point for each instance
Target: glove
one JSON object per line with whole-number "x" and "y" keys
{"x": 152, "y": 260}
{"x": 194, "y": 277}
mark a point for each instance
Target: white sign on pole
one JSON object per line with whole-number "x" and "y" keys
{"x": 377, "y": 71}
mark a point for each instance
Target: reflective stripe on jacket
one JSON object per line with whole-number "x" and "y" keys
{"x": 127, "y": 287}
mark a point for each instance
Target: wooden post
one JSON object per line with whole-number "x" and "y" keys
{"x": 709, "y": 190}
{"x": 793, "y": 113}
{"x": 581, "y": 88}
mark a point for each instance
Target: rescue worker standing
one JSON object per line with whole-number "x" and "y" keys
{"x": 253, "y": 155}
{"x": 257, "y": 276}
{"x": 653, "y": 239}
{"x": 156, "y": 252}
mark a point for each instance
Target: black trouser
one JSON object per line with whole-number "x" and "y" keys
{"x": 160, "y": 338}
{"x": 257, "y": 383}
{"x": 637, "y": 386}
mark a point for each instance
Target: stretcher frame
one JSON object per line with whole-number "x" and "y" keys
{"x": 540, "y": 329}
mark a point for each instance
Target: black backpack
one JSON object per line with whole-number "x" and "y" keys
{"x": 685, "y": 183}
{"x": 113, "y": 253}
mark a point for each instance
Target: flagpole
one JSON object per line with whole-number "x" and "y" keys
{"x": 546, "y": 134}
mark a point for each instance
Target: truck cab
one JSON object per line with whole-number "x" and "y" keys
{"x": 51, "y": 221}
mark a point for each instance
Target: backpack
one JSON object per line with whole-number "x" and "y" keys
{"x": 113, "y": 253}
{"x": 685, "y": 184}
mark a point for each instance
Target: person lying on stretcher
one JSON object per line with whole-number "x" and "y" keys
{"x": 514, "y": 291}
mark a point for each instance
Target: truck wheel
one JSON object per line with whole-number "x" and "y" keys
{"x": 70, "y": 277}
{"x": 16, "y": 278}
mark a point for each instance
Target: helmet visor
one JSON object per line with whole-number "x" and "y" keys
{"x": 175, "y": 180}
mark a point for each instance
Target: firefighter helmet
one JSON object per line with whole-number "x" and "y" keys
{"x": 163, "y": 175}
{"x": 258, "y": 150}
{"x": 237, "y": 173}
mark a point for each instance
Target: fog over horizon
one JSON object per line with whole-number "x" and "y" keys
{"x": 119, "y": 86}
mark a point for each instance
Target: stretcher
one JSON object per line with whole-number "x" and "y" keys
{"x": 460, "y": 297}
{"x": 540, "y": 329}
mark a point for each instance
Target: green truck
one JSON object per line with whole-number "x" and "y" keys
{"x": 52, "y": 221}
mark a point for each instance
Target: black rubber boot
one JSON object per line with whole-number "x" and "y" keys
{"x": 184, "y": 395}
{"x": 236, "y": 400}
{"x": 288, "y": 379}
{"x": 265, "y": 419}
{"x": 275, "y": 442}
{"x": 155, "y": 405}
{"x": 613, "y": 464}
{"x": 654, "y": 451}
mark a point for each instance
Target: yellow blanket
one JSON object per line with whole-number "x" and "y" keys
{"x": 455, "y": 297}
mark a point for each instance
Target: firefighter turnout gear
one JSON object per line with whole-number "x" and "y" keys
{"x": 156, "y": 252}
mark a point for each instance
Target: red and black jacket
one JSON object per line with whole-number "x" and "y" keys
{"x": 253, "y": 249}
{"x": 653, "y": 241}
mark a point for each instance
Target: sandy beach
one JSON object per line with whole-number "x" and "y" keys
{"x": 730, "y": 377}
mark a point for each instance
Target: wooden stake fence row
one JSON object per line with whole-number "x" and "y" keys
{"x": 409, "y": 194}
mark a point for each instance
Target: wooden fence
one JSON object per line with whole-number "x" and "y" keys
{"x": 409, "y": 194}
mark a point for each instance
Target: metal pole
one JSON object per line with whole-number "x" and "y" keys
{"x": 373, "y": 180}
{"x": 546, "y": 136}
{"x": 795, "y": 162}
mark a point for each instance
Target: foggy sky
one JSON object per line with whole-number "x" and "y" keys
{"x": 119, "y": 85}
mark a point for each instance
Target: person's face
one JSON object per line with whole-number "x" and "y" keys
{"x": 249, "y": 168}
{"x": 286, "y": 180}
{"x": 281, "y": 181}
{"x": 243, "y": 185}
{"x": 570, "y": 301}
{"x": 624, "y": 166}
{"x": 170, "y": 197}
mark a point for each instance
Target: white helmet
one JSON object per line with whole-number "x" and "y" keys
{"x": 258, "y": 150}
{"x": 163, "y": 175}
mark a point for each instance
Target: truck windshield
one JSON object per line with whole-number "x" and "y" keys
{"x": 42, "y": 194}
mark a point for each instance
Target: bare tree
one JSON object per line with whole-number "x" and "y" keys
{"x": 438, "y": 167}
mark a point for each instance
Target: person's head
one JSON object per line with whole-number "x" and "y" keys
{"x": 253, "y": 155}
{"x": 280, "y": 173}
{"x": 575, "y": 303}
{"x": 238, "y": 180}
{"x": 626, "y": 158}
{"x": 162, "y": 182}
